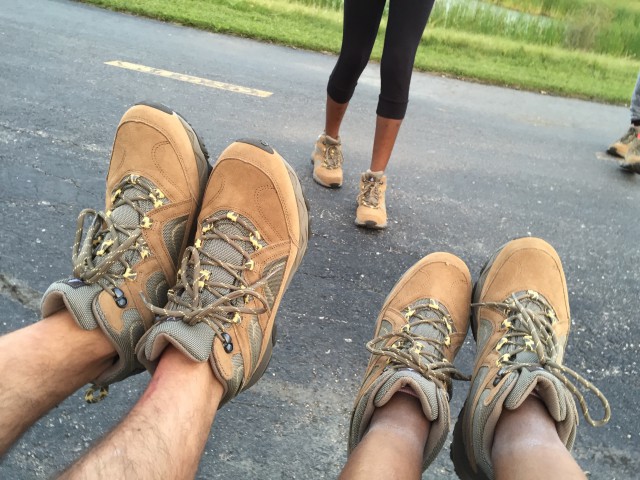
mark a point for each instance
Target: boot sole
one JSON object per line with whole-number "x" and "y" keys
{"x": 371, "y": 225}
{"x": 303, "y": 239}
{"x": 630, "y": 167}
{"x": 615, "y": 152}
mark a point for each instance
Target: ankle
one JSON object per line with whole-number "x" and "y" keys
{"x": 529, "y": 426}
{"x": 402, "y": 417}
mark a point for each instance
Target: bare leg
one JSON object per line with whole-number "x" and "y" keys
{"x": 334, "y": 115}
{"x": 526, "y": 446}
{"x": 41, "y": 365}
{"x": 385, "y": 138}
{"x": 393, "y": 446}
{"x": 165, "y": 433}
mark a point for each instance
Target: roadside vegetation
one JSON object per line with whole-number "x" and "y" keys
{"x": 580, "y": 48}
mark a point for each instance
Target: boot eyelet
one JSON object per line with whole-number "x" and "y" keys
{"x": 119, "y": 298}
{"x": 226, "y": 342}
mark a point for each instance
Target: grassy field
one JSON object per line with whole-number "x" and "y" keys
{"x": 567, "y": 47}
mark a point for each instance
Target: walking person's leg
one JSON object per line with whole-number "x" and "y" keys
{"x": 360, "y": 29}
{"x": 631, "y": 159}
{"x": 635, "y": 104}
{"x": 621, "y": 146}
{"x": 405, "y": 26}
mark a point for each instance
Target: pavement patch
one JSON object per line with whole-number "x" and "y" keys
{"x": 19, "y": 292}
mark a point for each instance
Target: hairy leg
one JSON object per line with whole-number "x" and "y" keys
{"x": 393, "y": 446}
{"x": 165, "y": 433}
{"x": 41, "y": 365}
{"x": 526, "y": 446}
{"x": 385, "y": 138}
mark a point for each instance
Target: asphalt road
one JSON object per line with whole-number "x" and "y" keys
{"x": 474, "y": 167}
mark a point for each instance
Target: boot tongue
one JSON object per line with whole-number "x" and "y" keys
{"x": 220, "y": 250}
{"x": 534, "y": 307}
{"x": 531, "y": 378}
{"x": 427, "y": 330}
{"x": 373, "y": 176}
{"x": 330, "y": 140}
{"x": 125, "y": 216}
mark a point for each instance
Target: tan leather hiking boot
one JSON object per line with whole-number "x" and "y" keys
{"x": 372, "y": 208}
{"x": 419, "y": 331}
{"x": 327, "y": 161}
{"x": 631, "y": 160}
{"x": 521, "y": 324}
{"x": 252, "y": 234}
{"x": 155, "y": 183}
{"x": 621, "y": 146}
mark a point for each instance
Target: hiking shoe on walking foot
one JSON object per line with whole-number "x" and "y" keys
{"x": 631, "y": 160}
{"x": 327, "y": 161}
{"x": 419, "y": 331}
{"x": 252, "y": 234}
{"x": 521, "y": 325}
{"x": 372, "y": 209}
{"x": 156, "y": 179}
{"x": 621, "y": 147}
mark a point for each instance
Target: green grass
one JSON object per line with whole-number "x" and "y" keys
{"x": 602, "y": 26}
{"x": 462, "y": 47}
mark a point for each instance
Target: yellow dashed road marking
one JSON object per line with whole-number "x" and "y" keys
{"x": 190, "y": 79}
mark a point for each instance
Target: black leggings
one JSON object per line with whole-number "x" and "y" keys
{"x": 406, "y": 23}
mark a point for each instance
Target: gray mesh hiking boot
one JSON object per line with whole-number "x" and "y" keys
{"x": 419, "y": 331}
{"x": 521, "y": 324}
{"x": 621, "y": 146}
{"x": 155, "y": 183}
{"x": 327, "y": 161}
{"x": 252, "y": 234}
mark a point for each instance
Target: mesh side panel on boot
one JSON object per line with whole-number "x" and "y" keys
{"x": 427, "y": 387}
{"x": 79, "y": 299}
{"x": 196, "y": 340}
{"x": 157, "y": 288}
{"x": 235, "y": 381}
{"x": 274, "y": 283}
{"x": 385, "y": 327}
{"x": 479, "y": 433}
{"x": 254, "y": 332}
{"x": 173, "y": 235}
{"x": 125, "y": 341}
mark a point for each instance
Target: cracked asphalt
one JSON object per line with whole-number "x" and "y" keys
{"x": 474, "y": 167}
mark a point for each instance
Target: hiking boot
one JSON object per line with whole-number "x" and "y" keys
{"x": 327, "y": 161}
{"x": 155, "y": 182}
{"x": 372, "y": 209}
{"x": 621, "y": 147}
{"x": 631, "y": 161}
{"x": 252, "y": 234}
{"x": 521, "y": 325}
{"x": 419, "y": 331}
